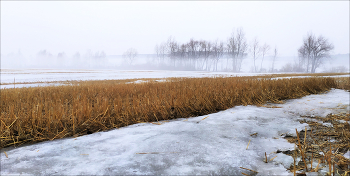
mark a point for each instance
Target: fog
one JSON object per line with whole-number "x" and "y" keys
{"x": 95, "y": 35}
{"x": 337, "y": 63}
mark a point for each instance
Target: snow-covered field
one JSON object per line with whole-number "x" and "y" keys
{"x": 11, "y": 78}
{"x": 211, "y": 144}
{"x": 33, "y": 77}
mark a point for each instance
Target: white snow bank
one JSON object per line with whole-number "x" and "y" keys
{"x": 320, "y": 104}
{"x": 214, "y": 144}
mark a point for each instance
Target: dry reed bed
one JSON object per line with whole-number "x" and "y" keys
{"x": 306, "y": 74}
{"x": 47, "y": 113}
{"x": 343, "y": 83}
{"x": 322, "y": 146}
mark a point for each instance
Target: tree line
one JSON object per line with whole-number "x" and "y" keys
{"x": 205, "y": 55}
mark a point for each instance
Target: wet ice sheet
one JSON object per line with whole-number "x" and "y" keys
{"x": 212, "y": 144}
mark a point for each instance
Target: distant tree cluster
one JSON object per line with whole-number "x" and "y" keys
{"x": 227, "y": 55}
{"x": 205, "y": 55}
{"x": 61, "y": 59}
{"x": 44, "y": 54}
{"x": 130, "y": 55}
{"x": 90, "y": 55}
{"x": 311, "y": 55}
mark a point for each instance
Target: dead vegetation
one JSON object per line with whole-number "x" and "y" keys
{"x": 305, "y": 74}
{"x": 343, "y": 83}
{"x": 323, "y": 146}
{"x": 46, "y": 113}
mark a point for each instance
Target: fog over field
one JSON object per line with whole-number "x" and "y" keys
{"x": 201, "y": 36}
{"x": 337, "y": 63}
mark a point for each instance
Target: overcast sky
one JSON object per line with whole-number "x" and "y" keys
{"x": 115, "y": 26}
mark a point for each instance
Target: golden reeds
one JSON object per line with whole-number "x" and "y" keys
{"x": 46, "y": 113}
{"x": 343, "y": 83}
{"x": 255, "y": 172}
{"x": 328, "y": 145}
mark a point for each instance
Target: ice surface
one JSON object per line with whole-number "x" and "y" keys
{"x": 313, "y": 105}
{"x": 215, "y": 145}
{"x": 347, "y": 154}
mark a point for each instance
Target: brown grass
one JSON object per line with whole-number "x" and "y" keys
{"x": 343, "y": 83}
{"x": 306, "y": 74}
{"x": 325, "y": 144}
{"x": 47, "y": 113}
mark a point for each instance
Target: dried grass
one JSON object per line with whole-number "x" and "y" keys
{"x": 343, "y": 83}
{"x": 45, "y": 113}
{"x": 327, "y": 144}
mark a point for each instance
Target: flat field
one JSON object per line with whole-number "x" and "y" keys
{"x": 160, "y": 122}
{"x": 17, "y": 78}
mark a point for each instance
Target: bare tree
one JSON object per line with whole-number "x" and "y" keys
{"x": 171, "y": 46}
{"x": 218, "y": 51}
{"x": 130, "y": 55}
{"x": 183, "y": 50}
{"x": 207, "y": 50}
{"x": 275, "y": 53}
{"x": 231, "y": 48}
{"x": 157, "y": 51}
{"x": 193, "y": 46}
{"x": 162, "y": 50}
{"x": 236, "y": 48}
{"x": 242, "y": 47}
{"x": 255, "y": 51}
{"x": 264, "y": 50}
{"x": 314, "y": 50}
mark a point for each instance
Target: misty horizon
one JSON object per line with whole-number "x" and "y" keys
{"x": 337, "y": 63}
{"x": 115, "y": 26}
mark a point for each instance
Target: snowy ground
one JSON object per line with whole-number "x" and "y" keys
{"x": 211, "y": 144}
{"x": 11, "y": 78}
{"x": 32, "y": 76}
